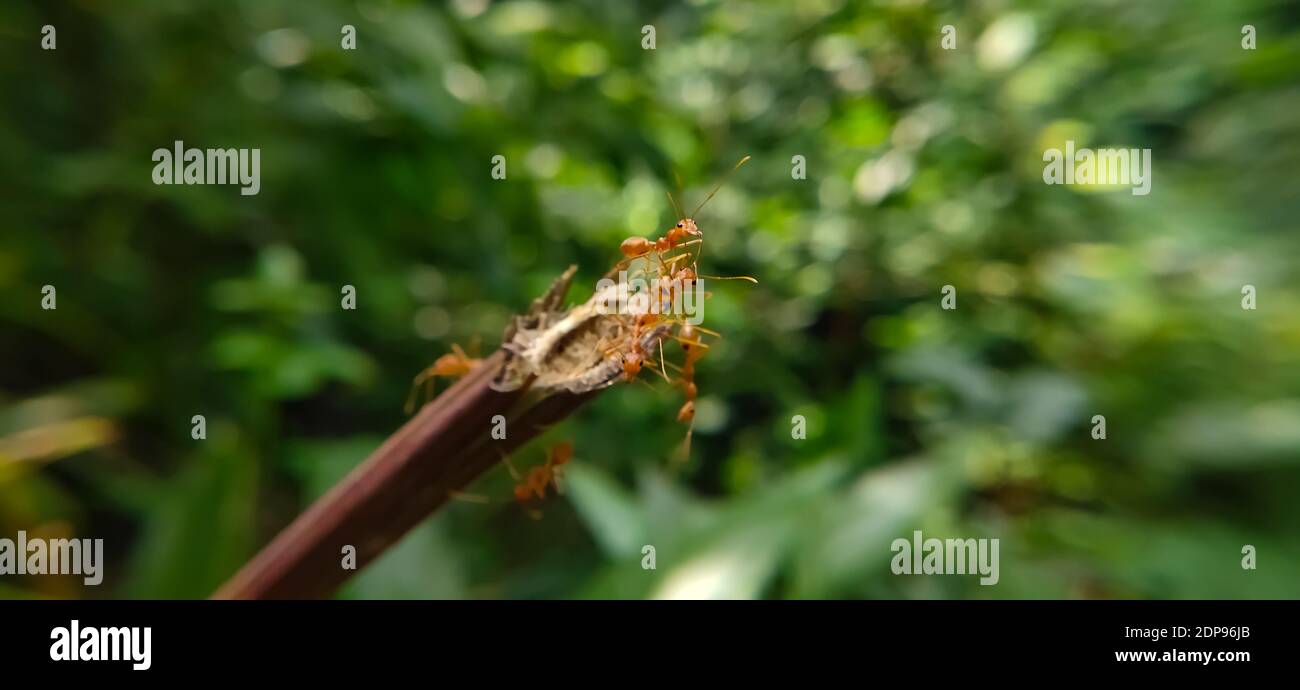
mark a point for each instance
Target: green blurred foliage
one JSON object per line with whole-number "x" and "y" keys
{"x": 924, "y": 170}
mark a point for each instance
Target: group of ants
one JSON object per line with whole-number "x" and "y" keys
{"x": 684, "y": 234}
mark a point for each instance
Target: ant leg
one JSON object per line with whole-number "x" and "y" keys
{"x": 677, "y": 257}
{"x": 409, "y": 406}
{"x": 749, "y": 278}
{"x": 692, "y": 343}
{"x": 645, "y": 383}
{"x": 510, "y": 467}
{"x": 663, "y": 268}
{"x": 663, "y": 363}
{"x": 617, "y": 344}
{"x": 467, "y": 497}
{"x": 695, "y": 260}
{"x": 425, "y": 379}
{"x": 624, "y": 263}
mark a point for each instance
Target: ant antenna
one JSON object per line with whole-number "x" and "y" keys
{"x": 676, "y": 187}
{"x": 749, "y": 278}
{"x": 676, "y": 209}
{"x": 719, "y": 186}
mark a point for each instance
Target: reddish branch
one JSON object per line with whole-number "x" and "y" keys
{"x": 441, "y": 450}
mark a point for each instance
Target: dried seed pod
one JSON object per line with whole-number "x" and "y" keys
{"x": 576, "y": 350}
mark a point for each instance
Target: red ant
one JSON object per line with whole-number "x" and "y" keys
{"x": 636, "y": 245}
{"x": 544, "y": 475}
{"x": 678, "y": 235}
{"x": 694, "y": 347}
{"x": 454, "y": 364}
{"x": 635, "y": 357}
{"x": 534, "y": 485}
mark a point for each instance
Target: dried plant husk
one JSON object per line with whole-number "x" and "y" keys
{"x": 578, "y": 349}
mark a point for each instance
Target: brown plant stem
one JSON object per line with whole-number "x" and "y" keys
{"x": 442, "y": 449}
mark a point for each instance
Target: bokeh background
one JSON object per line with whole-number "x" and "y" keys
{"x": 924, "y": 169}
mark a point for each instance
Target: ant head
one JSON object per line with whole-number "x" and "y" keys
{"x": 687, "y": 225}
{"x": 631, "y": 364}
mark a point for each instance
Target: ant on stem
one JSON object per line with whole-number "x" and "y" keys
{"x": 541, "y": 476}
{"x": 454, "y": 364}
{"x": 532, "y": 486}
